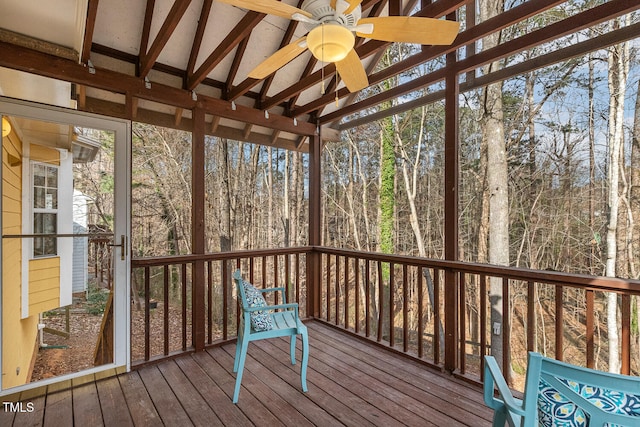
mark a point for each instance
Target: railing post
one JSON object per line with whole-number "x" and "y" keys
{"x": 451, "y": 212}
{"x": 313, "y": 257}
{"x": 198, "y": 282}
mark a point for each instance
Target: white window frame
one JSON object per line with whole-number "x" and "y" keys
{"x": 44, "y": 210}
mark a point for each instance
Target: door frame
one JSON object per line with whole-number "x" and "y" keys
{"x": 122, "y": 226}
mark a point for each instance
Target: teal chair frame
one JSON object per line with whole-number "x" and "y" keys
{"x": 286, "y": 323}
{"x": 524, "y": 412}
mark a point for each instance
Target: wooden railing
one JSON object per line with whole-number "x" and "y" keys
{"x": 399, "y": 302}
{"x": 164, "y": 313}
{"x": 435, "y": 311}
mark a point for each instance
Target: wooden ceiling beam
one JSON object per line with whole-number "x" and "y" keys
{"x": 608, "y": 39}
{"x": 31, "y": 61}
{"x": 436, "y": 10}
{"x": 197, "y": 39}
{"x": 92, "y": 11}
{"x": 570, "y": 25}
{"x": 168, "y": 27}
{"x": 112, "y": 109}
{"x": 233, "y": 71}
{"x": 239, "y": 32}
{"x": 146, "y": 33}
{"x": 248, "y": 83}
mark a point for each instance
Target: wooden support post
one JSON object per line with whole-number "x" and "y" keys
{"x": 198, "y": 228}
{"x": 451, "y": 214}
{"x": 313, "y": 260}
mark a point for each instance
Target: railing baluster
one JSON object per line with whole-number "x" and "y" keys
{"x": 405, "y": 309}
{"x": 589, "y": 320}
{"x": 356, "y": 290}
{"x": 367, "y": 299}
{"x": 420, "y": 284}
{"x": 225, "y": 300}
{"x": 147, "y": 328}
{"x": 436, "y": 316}
{"x": 380, "y": 300}
{"x": 346, "y": 292}
{"x": 184, "y": 306}
{"x": 463, "y": 323}
{"x": 276, "y": 283}
{"x": 210, "y": 302}
{"x": 531, "y": 316}
{"x": 506, "y": 332}
{"x": 328, "y": 294}
{"x": 626, "y": 333}
{"x": 166, "y": 309}
{"x": 483, "y": 322}
{"x": 392, "y": 268}
{"x": 337, "y": 293}
{"x": 559, "y": 322}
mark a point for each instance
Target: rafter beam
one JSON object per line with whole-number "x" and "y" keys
{"x": 239, "y": 32}
{"x": 233, "y": 71}
{"x": 248, "y": 83}
{"x": 197, "y": 39}
{"x": 31, "y": 61}
{"x": 168, "y": 27}
{"x": 92, "y": 11}
{"x": 570, "y": 25}
{"x": 608, "y": 39}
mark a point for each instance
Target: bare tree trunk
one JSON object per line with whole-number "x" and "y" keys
{"x": 496, "y": 178}
{"x": 411, "y": 189}
{"x": 225, "y": 201}
{"x": 617, "y": 59}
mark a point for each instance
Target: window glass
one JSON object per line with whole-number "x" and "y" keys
{"x": 45, "y": 207}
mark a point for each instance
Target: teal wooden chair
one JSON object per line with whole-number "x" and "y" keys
{"x": 560, "y": 394}
{"x": 261, "y": 321}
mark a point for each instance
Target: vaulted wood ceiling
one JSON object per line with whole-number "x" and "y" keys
{"x": 158, "y": 60}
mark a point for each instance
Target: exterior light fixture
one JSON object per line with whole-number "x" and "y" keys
{"x": 6, "y": 127}
{"x": 330, "y": 42}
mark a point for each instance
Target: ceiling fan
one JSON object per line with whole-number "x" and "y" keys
{"x": 332, "y": 24}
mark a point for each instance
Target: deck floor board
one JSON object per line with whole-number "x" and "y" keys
{"x": 351, "y": 382}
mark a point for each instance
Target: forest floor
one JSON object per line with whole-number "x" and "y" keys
{"x": 63, "y": 355}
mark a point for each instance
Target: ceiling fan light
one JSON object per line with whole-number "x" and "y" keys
{"x": 6, "y": 127}
{"x": 330, "y": 42}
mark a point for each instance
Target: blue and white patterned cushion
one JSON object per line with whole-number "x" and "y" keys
{"x": 556, "y": 410}
{"x": 260, "y": 320}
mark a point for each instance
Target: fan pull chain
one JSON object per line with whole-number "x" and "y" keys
{"x": 337, "y": 75}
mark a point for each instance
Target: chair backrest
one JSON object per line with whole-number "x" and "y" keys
{"x": 574, "y": 395}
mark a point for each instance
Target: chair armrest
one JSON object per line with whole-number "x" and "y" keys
{"x": 293, "y": 305}
{"x": 493, "y": 376}
{"x": 265, "y": 290}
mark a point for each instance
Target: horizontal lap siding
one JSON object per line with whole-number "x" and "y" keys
{"x": 44, "y": 284}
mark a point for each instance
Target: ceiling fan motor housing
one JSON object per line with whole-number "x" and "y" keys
{"x": 322, "y": 11}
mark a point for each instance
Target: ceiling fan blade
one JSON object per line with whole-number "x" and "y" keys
{"x": 279, "y": 59}
{"x": 352, "y": 72}
{"x": 410, "y": 29}
{"x": 272, "y": 7}
{"x": 350, "y": 5}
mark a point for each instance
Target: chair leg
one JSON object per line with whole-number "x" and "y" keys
{"x": 293, "y": 349}
{"x": 236, "y": 360}
{"x": 243, "y": 355}
{"x": 305, "y": 360}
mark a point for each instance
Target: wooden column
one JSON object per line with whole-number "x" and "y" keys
{"x": 198, "y": 228}
{"x": 313, "y": 258}
{"x": 451, "y": 213}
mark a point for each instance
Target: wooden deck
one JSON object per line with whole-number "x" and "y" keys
{"x": 350, "y": 383}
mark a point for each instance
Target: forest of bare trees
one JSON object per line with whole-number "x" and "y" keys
{"x": 549, "y": 174}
